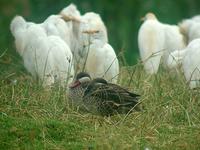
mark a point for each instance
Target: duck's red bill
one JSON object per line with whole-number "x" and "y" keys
{"x": 74, "y": 84}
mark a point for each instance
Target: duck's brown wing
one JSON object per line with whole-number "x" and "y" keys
{"x": 114, "y": 95}
{"x": 124, "y": 91}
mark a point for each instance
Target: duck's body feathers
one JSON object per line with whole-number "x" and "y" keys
{"x": 107, "y": 98}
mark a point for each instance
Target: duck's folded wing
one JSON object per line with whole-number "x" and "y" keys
{"x": 115, "y": 94}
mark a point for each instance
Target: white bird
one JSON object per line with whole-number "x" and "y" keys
{"x": 191, "y": 63}
{"x": 63, "y": 25}
{"x": 73, "y": 17}
{"x": 188, "y": 59}
{"x": 55, "y": 25}
{"x": 196, "y": 18}
{"x": 95, "y": 55}
{"x": 175, "y": 58}
{"x": 174, "y": 40}
{"x": 99, "y": 58}
{"x": 92, "y": 24}
{"x": 91, "y": 50}
{"x": 91, "y": 21}
{"x": 70, "y": 13}
{"x": 151, "y": 39}
{"x": 190, "y": 28}
{"x": 102, "y": 61}
{"x": 46, "y": 57}
{"x": 156, "y": 40}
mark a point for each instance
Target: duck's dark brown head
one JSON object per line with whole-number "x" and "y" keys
{"x": 81, "y": 78}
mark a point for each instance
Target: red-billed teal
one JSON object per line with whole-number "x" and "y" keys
{"x": 100, "y": 97}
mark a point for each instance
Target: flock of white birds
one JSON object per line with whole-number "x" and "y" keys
{"x": 64, "y": 44}
{"x": 68, "y": 42}
{"x": 172, "y": 46}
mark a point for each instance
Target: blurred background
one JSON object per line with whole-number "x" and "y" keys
{"x": 121, "y": 17}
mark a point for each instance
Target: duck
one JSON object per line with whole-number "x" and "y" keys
{"x": 98, "y": 96}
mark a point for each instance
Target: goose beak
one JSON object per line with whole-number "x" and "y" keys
{"x": 74, "y": 84}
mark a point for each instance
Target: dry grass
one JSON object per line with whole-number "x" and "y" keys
{"x": 34, "y": 118}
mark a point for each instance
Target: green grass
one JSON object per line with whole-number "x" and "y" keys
{"x": 34, "y": 118}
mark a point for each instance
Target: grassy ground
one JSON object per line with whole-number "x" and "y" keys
{"x": 33, "y": 118}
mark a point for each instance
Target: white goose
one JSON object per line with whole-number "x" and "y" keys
{"x": 46, "y": 57}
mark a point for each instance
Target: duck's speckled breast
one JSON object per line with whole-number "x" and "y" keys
{"x": 75, "y": 96}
